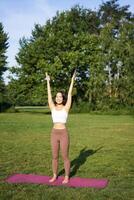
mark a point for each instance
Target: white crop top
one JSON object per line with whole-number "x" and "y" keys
{"x": 59, "y": 115}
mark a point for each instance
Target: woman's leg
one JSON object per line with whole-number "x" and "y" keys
{"x": 64, "y": 145}
{"x": 55, "y": 154}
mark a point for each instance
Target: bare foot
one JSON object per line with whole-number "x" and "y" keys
{"x": 53, "y": 179}
{"x": 66, "y": 180}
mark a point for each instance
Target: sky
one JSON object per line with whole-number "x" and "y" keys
{"x": 19, "y": 18}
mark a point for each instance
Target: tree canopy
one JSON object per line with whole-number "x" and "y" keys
{"x": 3, "y": 47}
{"x": 98, "y": 44}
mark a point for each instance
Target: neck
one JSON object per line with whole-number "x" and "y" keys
{"x": 59, "y": 105}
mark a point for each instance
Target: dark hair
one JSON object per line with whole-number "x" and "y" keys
{"x": 64, "y": 97}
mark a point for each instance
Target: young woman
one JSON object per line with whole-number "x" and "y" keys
{"x": 59, "y": 134}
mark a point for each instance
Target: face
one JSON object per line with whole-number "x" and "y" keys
{"x": 59, "y": 98}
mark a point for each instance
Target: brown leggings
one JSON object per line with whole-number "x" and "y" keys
{"x": 60, "y": 137}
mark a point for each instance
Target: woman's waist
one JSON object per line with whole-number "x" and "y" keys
{"x": 59, "y": 125}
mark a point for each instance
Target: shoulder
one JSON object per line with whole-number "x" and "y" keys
{"x": 52, "y": 108}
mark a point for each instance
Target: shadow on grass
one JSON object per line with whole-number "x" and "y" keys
{"x": 79, "y": 161}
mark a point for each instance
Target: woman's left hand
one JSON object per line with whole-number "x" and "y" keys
{"x": 74, "y": 75}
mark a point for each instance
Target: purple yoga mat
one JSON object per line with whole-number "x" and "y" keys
{"x": 73, "y": 181}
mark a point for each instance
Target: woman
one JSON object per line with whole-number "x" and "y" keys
{"x": 59, "y": 135}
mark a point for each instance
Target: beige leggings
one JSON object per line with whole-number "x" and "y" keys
{"x": 60, "y": 138}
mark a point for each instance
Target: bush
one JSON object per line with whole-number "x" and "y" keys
{"x": 82, "y": 107}
{"x": 4, "y": 106}
{"x": 102, "y": 108}
{"x": 11, "y": 110}
{"x": 4, "y": 102}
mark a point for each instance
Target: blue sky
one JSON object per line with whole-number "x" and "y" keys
{"x": 19, "y": 17}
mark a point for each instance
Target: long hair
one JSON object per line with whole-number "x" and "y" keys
{"x": 64, "y": 98}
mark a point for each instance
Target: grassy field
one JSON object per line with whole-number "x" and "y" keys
{"x": 102, "y": 146}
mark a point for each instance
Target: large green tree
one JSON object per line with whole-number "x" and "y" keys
{"x": 91, "y": 42}
{"x": 111, "y": 11}
{"x": 3, "y": 68}
{"x": 56, "y": 48}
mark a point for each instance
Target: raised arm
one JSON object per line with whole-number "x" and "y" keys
{"x": 69, "y": 97}
{"x": 50, "y": 100}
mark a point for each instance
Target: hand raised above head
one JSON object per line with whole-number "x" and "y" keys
{"x": 47, "y": 77}
{"x": 74, "y": 75}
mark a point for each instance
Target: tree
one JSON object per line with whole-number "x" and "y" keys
{"x": 3, "y": 47}
{"x": 56, "y": 48}
{"x": 111, "y": 11}
{"x": 91, "y": 42}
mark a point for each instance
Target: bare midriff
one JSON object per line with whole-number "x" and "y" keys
{"x": 59, "y": 126}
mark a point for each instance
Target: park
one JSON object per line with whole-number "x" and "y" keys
{"x": 88, "y": 55}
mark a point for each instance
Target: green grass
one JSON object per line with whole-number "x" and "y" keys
{"x": 101, "y": 147}
{"x": 32, "y": 109}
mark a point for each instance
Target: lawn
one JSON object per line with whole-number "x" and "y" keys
{"x": 102, "y": 146}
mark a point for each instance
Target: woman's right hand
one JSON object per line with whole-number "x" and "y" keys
{"x": 47, "y": 77}
{"x": 74, "y": 75}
